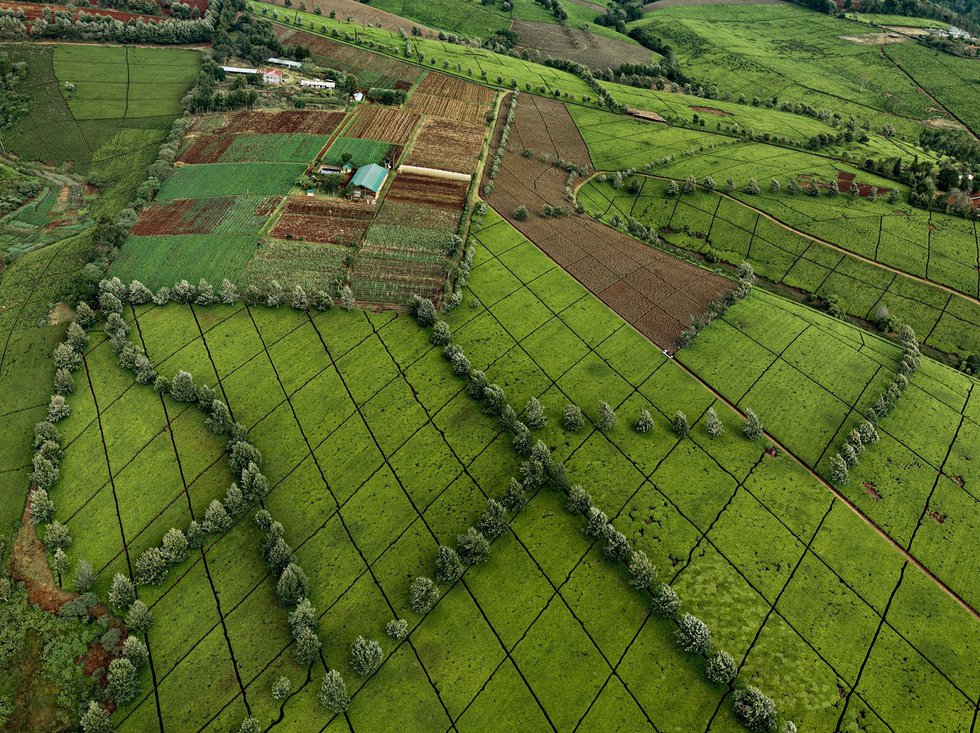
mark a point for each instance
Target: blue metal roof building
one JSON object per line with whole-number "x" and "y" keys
{"x": 371, "y": 176}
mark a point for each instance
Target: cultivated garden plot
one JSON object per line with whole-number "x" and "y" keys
{"x": 719, "y": 226}
{"x": 655, "y": 292}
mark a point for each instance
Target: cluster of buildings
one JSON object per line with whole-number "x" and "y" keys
{"x": 276, "y": 76}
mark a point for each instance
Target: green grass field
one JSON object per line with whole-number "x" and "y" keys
{"x": 791, "y": 53}
{"x": 376, "y": 455}
{"x": 361, "y": 151}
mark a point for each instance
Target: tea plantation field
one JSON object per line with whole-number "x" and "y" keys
{"x": 376, "y": 455}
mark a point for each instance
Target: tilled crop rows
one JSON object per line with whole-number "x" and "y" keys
{"x": 325, "y": 222}
{"x": 450, "y": 98}
{"x": 372, "y": 69}
{"x": 417, "y": 189}
{"x": 312, "y": 122}
{"x": 386, "y": 124}
{"x": 447, "y": 146}
{"x": 182, "y": 216}
{"x": 655, "y": 292}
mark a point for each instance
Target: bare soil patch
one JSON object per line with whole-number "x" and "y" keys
{"x": 711, "y": 111}
{"x": 575, "y": 44}
{"x": 654, "y": 291}
{"x": 447, "y": 145}
{"x": 451, "y": 98}
{"x": 312, "y": 122}
{"x": 385, "y": 124}
{"x": 438, "y": 192}
{"x": 321, "y": 221}
{"x": 60, "y": 313}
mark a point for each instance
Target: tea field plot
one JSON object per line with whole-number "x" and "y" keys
{"x": 917, "y": 483}
{"x": 736, "y": 229}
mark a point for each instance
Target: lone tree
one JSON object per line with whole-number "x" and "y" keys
{"x": 333, "y": 692}
{"x": 752, "y": 428}
{"x": 680, "y": 424}
{"x": 607, "y": 417}
{"x": 520, "y": 213}
{"x": 422, "y": 595}
{"x": 365, "y": 656}
{"x": 754, "y": 710}
{"x": 644, "y": 424}
{"x": 397, "y": 629}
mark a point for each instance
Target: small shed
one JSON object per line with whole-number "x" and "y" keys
{"x": 285, "y": 62}
{"x": 368, "y": 180}
{"x": 358, "y": 97}
{"x": 239, "y": 70}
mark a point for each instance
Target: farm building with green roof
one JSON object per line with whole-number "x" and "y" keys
{"x": 369, "y": 179}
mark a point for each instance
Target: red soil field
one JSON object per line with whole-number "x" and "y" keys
{"x": 438, "y": 192}
{"x": 323, "y": 221}
{"x": 33, "y": 11}
{"x": 312, "y": 122}
{"x": 654, "y": 291}
{"x": 385, "y": 124}
{"x": 182, "y": 216}
{"x": 207, "y": 149}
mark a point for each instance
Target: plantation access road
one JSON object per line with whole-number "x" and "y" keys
{"x": 818, "y": 240}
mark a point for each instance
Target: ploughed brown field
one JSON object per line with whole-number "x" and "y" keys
{"x": 656, "y": 292}
{"x": 448, "y": 146}
{"x": 416, "y": 189}
{"x": 323, "y": 221}
{"x": 385, "y": 124}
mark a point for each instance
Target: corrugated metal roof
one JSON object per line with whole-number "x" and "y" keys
{"x": 371, "y": 176}
{"x": 285, "y": 62}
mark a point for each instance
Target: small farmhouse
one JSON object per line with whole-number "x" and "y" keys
{"x": 317, "y": 83}
{"x": 272, "y": 76}
{"x": 368, "y": 181}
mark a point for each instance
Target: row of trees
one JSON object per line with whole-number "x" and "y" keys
{"x": 866, "y": 432}
{"x": 746, "y": 279}
{"x": 755, "y": 710}
{"x": 498, "y": 155}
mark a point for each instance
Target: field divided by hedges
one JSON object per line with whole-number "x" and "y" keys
{"x": 719, "y": 226}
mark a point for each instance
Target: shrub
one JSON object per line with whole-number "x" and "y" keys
{"x": 64, "y": 382}
{"x": 579, "y": 501}
{"x": 122, "y": 593}
{"x": 134, "y": 649}
{"x": 615, "y": 545}
{"x": 365, "y": 656}
{"x": 472, "y": 546}
{"x": 139, "y": 619}
{"x": 754, "y": 710}
{"x": 838, "y": 470}
{"x": 151, "y": 567}
{"x": 216, "y": 519}
{"x": 281, "y": 688}
{"x": 642, "y": 571}
{"x": 572, "y": 419}
{"x": 849, "y": 454}
{"x": 42, "y": 507}
{"x": 448, "y": 565}
{"x": 494, "y": 400}
{"x": 84, "y": 576}
{"x": 693, "y": 635}
{"x": 713, "y": 423}
{"x": 752, "y": 428}
{"x": 58, "y": 408}
{"x": 534, "y": 416}
{"x": 440, "y": 334}
{"x": 607, "y": 417}
{"x": 95, "y": 719}
{"x": 680, "y": 424}
{"x": 123, "y": 682}
{"x": 493, "y": 521}
{"x": 293, "y": 585}
{"x": 333, "y": 692}
{"x": 57, "y": 537}
{"x": 397, "y": 629}
{"x": 665, "y": 602}
{"x": 720, "y": 668}
{"x": 644, "y": 423}
{"x": 422, "y": 595}
{"x": 520, "y": 213}
{"x": 249, "y": 725}
{"x": 515, "y": 496}
{"x": 307, "y": 646}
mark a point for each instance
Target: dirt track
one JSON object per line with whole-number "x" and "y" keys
{"x": 655, "y": 292}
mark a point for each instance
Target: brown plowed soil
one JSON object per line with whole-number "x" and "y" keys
{"x": 575, "y": 44}
{"x": 654, "y": 291}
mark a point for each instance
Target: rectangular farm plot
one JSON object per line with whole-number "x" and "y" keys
{"x": 311, "y": 265}
{"x": 362, "y": 151}
{"x": 371, "y": 69}
{"x": 273, "y": 148}
{"x": 386, "y": 124}
{"x": 222, "y": 215}
{"x": 333, "y": 220}
{"x": 453, "y": 99}
{"x": 287, "y": 121}
{"x": 229, "y": 179}
{"x": 413, "y": 188}
{"x": 446, "y": 145}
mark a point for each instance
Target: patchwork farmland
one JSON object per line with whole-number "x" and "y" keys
{"x": 484, "y": 390}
